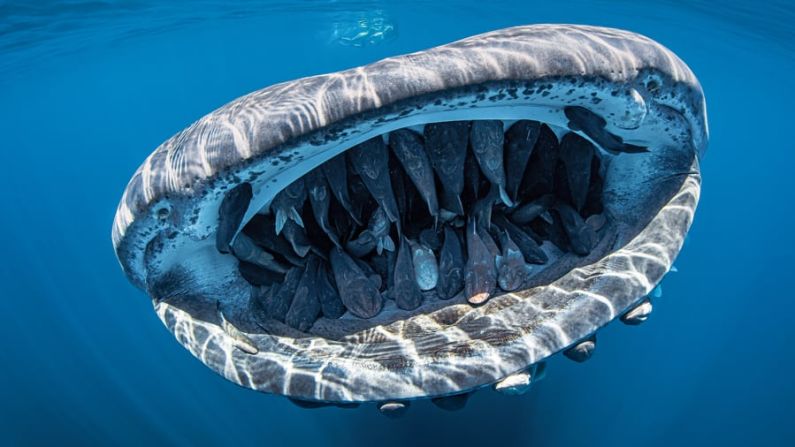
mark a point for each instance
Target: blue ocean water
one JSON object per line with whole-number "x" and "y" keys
{"x": 89, "y": 88}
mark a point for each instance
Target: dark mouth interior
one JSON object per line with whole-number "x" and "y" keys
{"x": 413, "y": 220}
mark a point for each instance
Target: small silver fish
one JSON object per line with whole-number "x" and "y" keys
{"x": 426, "y": 270}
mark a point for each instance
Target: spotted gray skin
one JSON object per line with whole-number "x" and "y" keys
{"x": 165, "y": 226}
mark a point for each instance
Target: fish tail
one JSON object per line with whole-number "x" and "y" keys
{"x": 504, "y": 197}
{"x": 387, "y": 243}
{"x": 296, "y": 217}
{"x": 281, "y": 219}
{"x": 351, "y": 213}
{"x": 452, "y": 202}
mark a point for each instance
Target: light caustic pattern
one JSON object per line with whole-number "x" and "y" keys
{"x": 167, "y": 220}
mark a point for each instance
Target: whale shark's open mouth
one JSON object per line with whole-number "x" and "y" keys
{"x": 426, "y": 225}
{"x": 419, "y": 219}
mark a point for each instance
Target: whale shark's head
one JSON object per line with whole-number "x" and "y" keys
{"x": 425, "y": 225}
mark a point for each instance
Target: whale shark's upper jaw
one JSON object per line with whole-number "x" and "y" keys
{"x": 637, "y": 107}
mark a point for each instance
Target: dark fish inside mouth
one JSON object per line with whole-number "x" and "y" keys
{"x": 426, "y": 225}
{"x": 483, "y": 248}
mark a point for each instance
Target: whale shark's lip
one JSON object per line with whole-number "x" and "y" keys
{"x": 166, "y": 221}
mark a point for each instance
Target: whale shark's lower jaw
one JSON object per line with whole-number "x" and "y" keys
{"x": 252, "y": 279}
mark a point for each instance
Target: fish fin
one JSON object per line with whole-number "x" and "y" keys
{"x": 498, "y": 261}
{"x": 387, "y": 243}
{"x": 391, "y": 212}
{"x": 451, "y": 203}
{"x": 459, "y": 205}
{"x": 301, "y": 250}
{"x": 674, "y": 269}
{"x": 349, "y": 209}
{"x": 281, "y": 219}
{"x": 334, "y": 239}
{"x": 513, "y": 253}
{"x": 379, "y": 247}
{"x": 296, "y": 217}
{"x": 547, "y": 217}
{"x": 504, "y": 197}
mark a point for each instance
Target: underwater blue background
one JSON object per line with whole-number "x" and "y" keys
{"x": 89, "y": 88}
